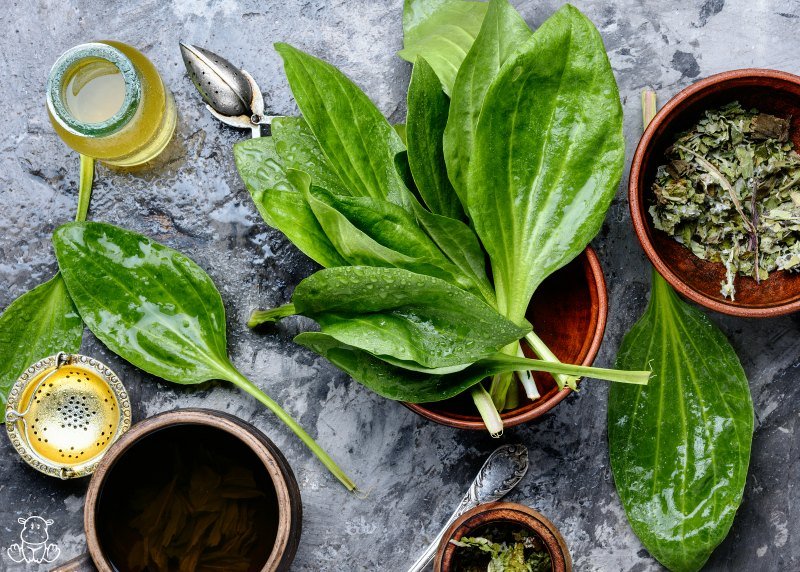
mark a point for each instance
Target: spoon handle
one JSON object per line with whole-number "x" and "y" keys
{"x": 501, "y": 472}
{"x": 426, "y": 557}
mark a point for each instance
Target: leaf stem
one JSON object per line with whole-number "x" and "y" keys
{"x": 499, "y": 389}
{"x": 618, "y": 375}
{"x": 527, "y": 381}
{"x": 501, "y": 382}
{"x": 491, "y": 418}
{"x": 85, "y": 187}
{"x": 541, "y": 350}
{"x": 248, "y": 386}
{"x": 649, "y": 106}
{"x": 258, "y": 317}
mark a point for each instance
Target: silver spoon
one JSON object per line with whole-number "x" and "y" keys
{"x": 501, "y": 472}
{"x": 231, "y": 94}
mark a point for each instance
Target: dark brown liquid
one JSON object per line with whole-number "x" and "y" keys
{"x": 188, "y": 497}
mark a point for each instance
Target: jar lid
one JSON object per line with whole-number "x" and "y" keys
{"x": 64, "y": 412}
{"x": 60, "y": 74}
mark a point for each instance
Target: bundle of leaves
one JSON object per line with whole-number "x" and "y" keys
{"x": 512, "y": 151}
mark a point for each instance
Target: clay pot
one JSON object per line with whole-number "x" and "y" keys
{"x": 503, "y": 513}
{"x": 283, "y": 530}
{"x": 769, "y": 91}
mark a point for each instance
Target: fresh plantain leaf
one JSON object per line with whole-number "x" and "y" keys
{"x": 502, "y": 34}
{"x": 148, "y": 303}
{"x": 401, "y": 130}
{"x": 397, "y": 313}
{"x": 403, "y": 169}
{"x": 40, "y": 323}
{"x": 680, "y": 446}
{"x": 442, "y": 32}
{"x": 358, "y": 142}
{"x": 370, "y": 232}
{"x": 291, "y": 214}
{"x": 427, "y": 117}
{"x": 279, "y": 202}
{"x": 157, "y": 309}
{"x": 385, "y": 379}
{"x": 396, "y": 381}
{"x": 299, "y": 149}
{"x": 548, "y": 156}
{"x": 459, "y": 244}
{"x": 260, "y": 166}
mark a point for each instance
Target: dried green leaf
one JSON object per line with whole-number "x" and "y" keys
{"x": 729, "y": 193}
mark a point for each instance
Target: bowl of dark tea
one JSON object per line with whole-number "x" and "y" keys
{"x": 714, "y": 192}
{"x": 502, "y": 536}
{"x": 193, "y": 490}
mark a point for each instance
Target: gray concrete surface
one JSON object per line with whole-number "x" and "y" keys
{"x": 193, "y": 200}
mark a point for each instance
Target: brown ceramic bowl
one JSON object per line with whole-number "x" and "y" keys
{"x": 278, "y": 529}
{"x": 770, "y": 91}
{"x": 502, "y": 513}
{"x": 568, "y": 312}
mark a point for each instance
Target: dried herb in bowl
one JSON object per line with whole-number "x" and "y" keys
{"x": 502, "y": 549}
{"x": 731, "y": 193}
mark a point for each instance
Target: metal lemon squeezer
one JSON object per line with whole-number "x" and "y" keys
{"x": 231, "y": 94}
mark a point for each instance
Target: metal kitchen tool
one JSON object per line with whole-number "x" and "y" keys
{"x": 64, "y": 412}
{"x": 230, "y": 93}
{"x": 501, "y": 472}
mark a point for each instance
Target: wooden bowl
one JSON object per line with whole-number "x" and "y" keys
{"x": 769, "y": 91}
{"x": 132, "y": 454}
{"x": 568, "y": 312}
{"x": 503, "y": 513}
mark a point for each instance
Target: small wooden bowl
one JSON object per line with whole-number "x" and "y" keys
{"x": 503, "y": 513}
{"x": 568, "y": 313}
{"x": 287, "y": 494}
{"x": 769, "y": 91}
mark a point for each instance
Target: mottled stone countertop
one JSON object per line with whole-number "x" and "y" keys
{"x": 194, "y": 201}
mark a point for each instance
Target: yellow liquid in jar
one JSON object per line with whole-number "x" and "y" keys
{"x": 95, "y": 92}
{"x": 143, "y": 136}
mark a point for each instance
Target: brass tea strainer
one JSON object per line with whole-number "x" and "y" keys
{"x": 64, "y": 412}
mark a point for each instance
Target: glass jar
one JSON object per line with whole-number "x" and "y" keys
{"x": 107, "y": 101}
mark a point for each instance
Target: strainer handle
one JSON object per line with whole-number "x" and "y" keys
{"x": 62, "y": 359}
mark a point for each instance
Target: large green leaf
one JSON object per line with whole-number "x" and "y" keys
{"x": 372, "y": 232}
{"x": 149, "y": 304}
{"x": 279, "y": 202}
{"x": 397, "y": 313}
{"x": 458, "y": 243}
{"x": 260, "y": 166}
{"x": 502, "y": 34}
{"x": 442, "y": 32}
{"x": 355, "y": 137}
{"x": 299, "y": 149}
{"x": 40, "y": 323}
{"x": 387, "y": 380}
{"x": 393, "y": 378}
{"x": 680, "y": 446}
{"x": 156, "y": 308}
{"x": 548, "y": 156}
{"x": 427, "y": 116}
{"x": 292, "y": 215}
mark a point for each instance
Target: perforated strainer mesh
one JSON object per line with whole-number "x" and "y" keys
{"x": 64, "y": 412}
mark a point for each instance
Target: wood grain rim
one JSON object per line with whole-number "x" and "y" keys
{"x": 504, "y": 512}
{"x": 638, "y": 208}
{"x": 591, "y": 345}
{"x": 286, "y": 489}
